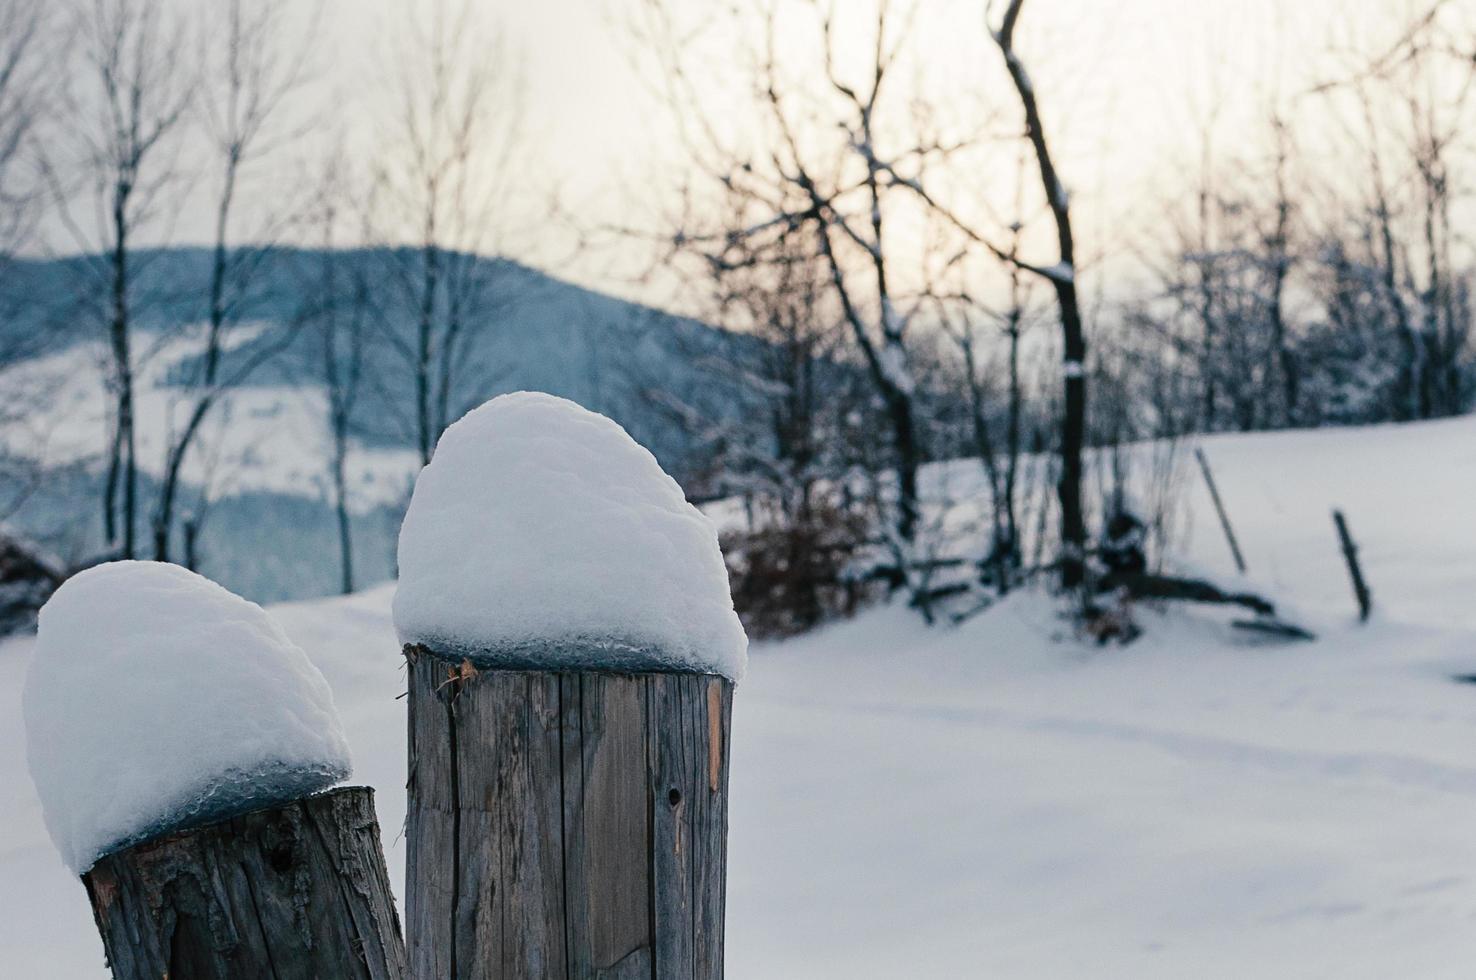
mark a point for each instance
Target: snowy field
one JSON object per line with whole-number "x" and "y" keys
{"x": 984, "y": 801}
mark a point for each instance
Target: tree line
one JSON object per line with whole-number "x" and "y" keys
{"x": 1315, "y": 274}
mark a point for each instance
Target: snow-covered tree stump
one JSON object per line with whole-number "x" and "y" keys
{"x": 572, "y": 650}
{"x": 566, "y": 824}
{"x": 181, "y": 745}
{"x": 292, "y": 891}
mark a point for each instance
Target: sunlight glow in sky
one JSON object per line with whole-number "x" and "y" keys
{"x": 1127, "y": 88}
{"x": 1128, "y": 91}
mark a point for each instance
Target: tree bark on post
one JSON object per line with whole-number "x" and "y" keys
{"x": 297, "y": 891}
{"x": 565, "y": 824}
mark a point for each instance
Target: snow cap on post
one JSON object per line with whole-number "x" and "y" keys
{"x": 158, "y": 700}
{"x": 541, "y": 535}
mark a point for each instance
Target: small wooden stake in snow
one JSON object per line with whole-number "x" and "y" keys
{"x": 293, "y": 891}
{"x": 1350, "y": 554}
{"x": 1209, "y": 479}
{"x": 567, "y": 824}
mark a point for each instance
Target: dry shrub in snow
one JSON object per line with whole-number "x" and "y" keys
{"x": 792, "y": 576}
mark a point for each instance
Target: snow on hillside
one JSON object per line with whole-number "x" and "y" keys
{"x": 270, "y": 533}
{"x": 271, "y": 434}
{"x": 267, "y": 438}
{"x": 988, "y": 801}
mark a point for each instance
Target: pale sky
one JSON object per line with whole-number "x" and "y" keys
{"x": 1126, "y": 88}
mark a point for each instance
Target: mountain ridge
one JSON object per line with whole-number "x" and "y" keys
{"x": 537, "y": 332}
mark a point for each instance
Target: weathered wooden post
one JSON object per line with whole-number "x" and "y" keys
{"x": 181, "y": 746}
{"x": 566, "y": 823}
{"x": 572, "y": 650}
{"x": 1355, "y": 571}
{"x": 1209, "y": 481}
{"x": 294, "y": 890}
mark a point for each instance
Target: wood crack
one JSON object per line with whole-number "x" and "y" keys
{"x": 455, "y": 774}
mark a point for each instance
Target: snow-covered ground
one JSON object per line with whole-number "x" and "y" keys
{"x": 983, "y": 801}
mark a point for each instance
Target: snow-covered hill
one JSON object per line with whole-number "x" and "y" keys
{"x": 264, "y": 456}
{"x": 1001, "y": 800}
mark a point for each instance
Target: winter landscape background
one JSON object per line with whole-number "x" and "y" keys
{"x": 263, "y": 482}
{"x": 1019, "y": 352}
{"x": 1000, "y": 800}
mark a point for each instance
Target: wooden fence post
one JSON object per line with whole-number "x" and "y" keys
{"x": 1209, "y": 479}
{"x": 297, "y": 890}
{"x": 1355, "y": 572}
{"x": 567, "y": 824}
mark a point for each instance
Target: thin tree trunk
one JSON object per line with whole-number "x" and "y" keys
{"x": 191, "y": 531}
{"x": 1073, "y": 334}
{"x": 1208, "y": 415}
{"x": 897, "y": 391}
{"x": 1406, "y": 393}
{"x": 1435, "y": 288}
{"x": 123, "y": 378}
{"x": 164, "y": 514}
{"x": 899, "y": 410}
{"x": 110, "y": 485}
{"x": 340, "y": 502}
{"x": 219, "y": 272}
{"x": 1281, "y": 342}
{"x": 1286, "y": 356}
{"x": 1073, "y": 438}
{"x": 1014, "y": 324}
{"x": 462, "y": 269}
{"x": 125, "y": 425}
{"x": 999, "y": 546}
{"x": 425, "y": 329}
{"x": 898, "y": 402}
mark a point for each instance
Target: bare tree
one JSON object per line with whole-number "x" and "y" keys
{"x": 843, "y": 191}
{"x": 767, "y": 419}
{"x": 23, "y": 95}
{"x": 1227, "y": 278}
{"x": 1280, "y": 260}
{"x": 1445, "y": 328}
{"x": 836, "y": 199}
{"x": 338, "y": 313}
{"x": 455, "y": 120}
{"x": 964, "y": 316}
{"x": 781, "y": 358}
{"x": 1062, "y": 278}
{"x": 1412, "y": 101}
{"x": 250, "y": 76}
{"x": 138, "y": 83}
